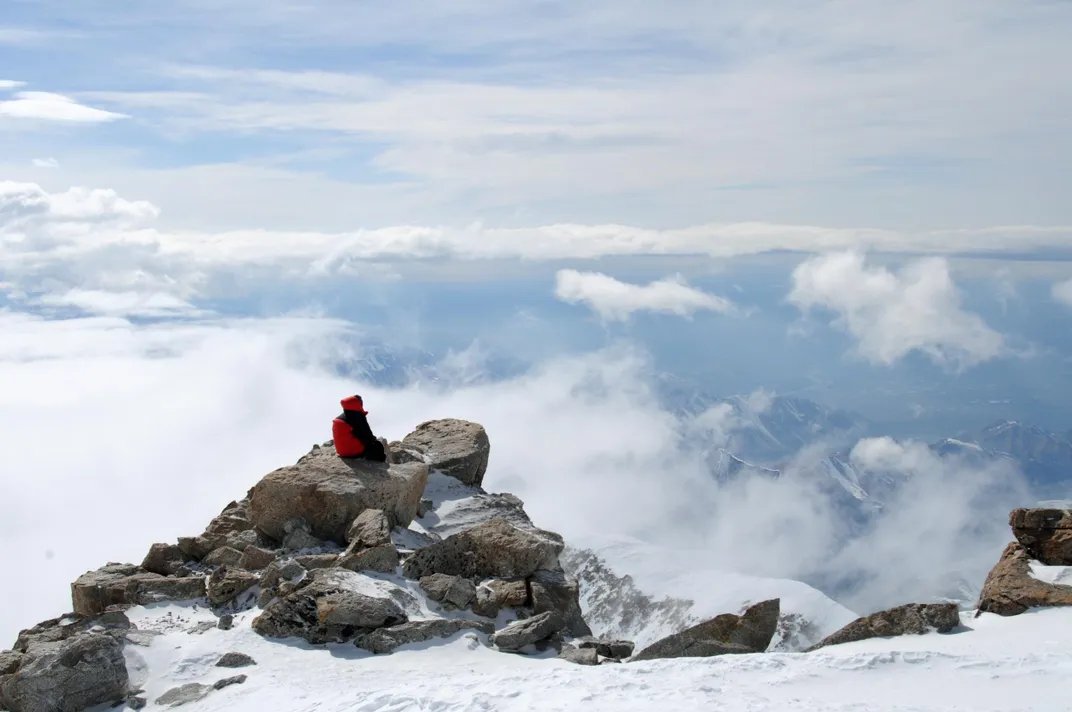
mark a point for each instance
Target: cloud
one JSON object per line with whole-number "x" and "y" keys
{"x": 1062, "y": 292}
{"x": 892, "y": 314}
{"x": 45, "y": 163}
{"x": 47, "y": 106}
{"x": 617, "y": 301}
{"x": 95, "y": 301}
{"x": 8, "y": 84}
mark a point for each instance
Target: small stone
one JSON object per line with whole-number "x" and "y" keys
{"x": 520, "y": 633}
{"x": 190, "y": 692}
{"x": 580, "y": 656}
{"x": 235, "y": 660}
{"x": 226, "y": 622}
{"x": 228, "y": 681}
{"x": 371, "y": 528}
{"x": 136, "y": 702}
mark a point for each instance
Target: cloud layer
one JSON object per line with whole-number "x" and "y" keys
{"x": 1062, "y": 292}
{"x": 614, "y": 300}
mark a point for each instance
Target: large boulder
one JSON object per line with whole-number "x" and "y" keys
{"x": 330, "y": 492}
{"x": 385, "y": 640}
{"x": 165, "y": 559}
{"x": 910, "y": 619}
{"x": 555, "y": 591}
{"x": 125, "y": 584}
{"x": 1010, "y": 589}
{"x": 456, "y": 448}
{"x": 336, "y": 606}
{"x": 750, "y": 632}
{"x": 227, "y": 583}
{"x": 1045, "y": 533}
{"x": 83, "y": 671}
{"x": 494, "y": 549}
{"x": 48, "y": 633}
{"x": 528, "y": 631}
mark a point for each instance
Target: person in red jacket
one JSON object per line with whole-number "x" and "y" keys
{"x": 353, "y": 436}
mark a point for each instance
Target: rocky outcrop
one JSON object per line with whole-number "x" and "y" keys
{"x": 1010, "y": 589}
{"x": 226, "y": 584}
{"x": 336, "y": 606}
{"x": 165, "y": 559}
{"x": 56, "y": 630}
{"x": 386, "y": 640}
{"x": 1046, "y": 534}
{"x": 494, "y": 549}
{"x": 9, "y": 661}
{"x": 125, "y": 584}
{"x": 555, "y": 591}
{"x": 231, "y": 528}
{"x": 910, "y": 619}
{"x": 80, "y": 672}
{"x": 330, "y": 493}
{"x": 750, "y": 632}
{"x": 494, "y": 595}
{"x": 529, "y": 631}
{"x": 456, "y": 448}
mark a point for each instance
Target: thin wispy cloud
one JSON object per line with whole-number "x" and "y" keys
{"x": 614, "y": 300}
{"x": 45, "y": 163}
{"x": 47, "y": 106}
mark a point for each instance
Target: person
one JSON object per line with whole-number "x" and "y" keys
{"x": 352, "y": 434}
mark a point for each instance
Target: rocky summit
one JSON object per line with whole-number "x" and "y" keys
{"x": 1017, "y": 583}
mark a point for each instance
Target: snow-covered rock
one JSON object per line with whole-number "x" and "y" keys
{"x": 1046, "y": 534}
{"x": 726, "y": 634}
{"x": 457, "y": 448}
{"x": 1011, "y": 589}
{"x": 80, "y": 672}
{"x": 494, "y": 549}
{"x": 910, "y": 619}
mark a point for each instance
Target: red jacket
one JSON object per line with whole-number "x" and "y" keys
{"x": 352, "y": 434}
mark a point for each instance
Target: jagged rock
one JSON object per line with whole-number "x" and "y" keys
{"x": 496, "y": 594}
{"x": 383, "y": 558}
{"x": 335, "y": 606}
{"x": 401, "y": 455}
{"x": 165, "y": 559}
{"x": 231, "y": 528}
{"x": 494, "y": 549}
{"x": 226, "y": 583}
{"x": 195, "y": 547}
{"x": 370, "y": 528}
{"x": 184, "y": 694}
{"x": 278, "y": 572}
{"x": 456, "y": 448}
{"x": 453, "y": 590}
{"x": 1045, "y": 533}
{"x": 312, "y": 562}
{"x": 224, "y": 556}
{"x": 580, "y": 656}
{"x": 57, "y": 630}
{"x": 235, "y": 660}
{"x": 9, "y": 661}
{"x": 751, "y": 632}
{"x": 298, "y": 535}
{"x": 118, "y": 584}
{"x": 254, "y": 558}
{"x": 528, "y": 631}
{"x": 910, "y": 619}
{"x": 1010, "y": 589}
{"x": 228, "y": 681}
{"x": 85, "y": 670}
{"x": 330, "y": 492}
{"x": 555, "y": 591}
{"x": 386, "y": 640}
{"x": 226, "y": 622}
{"x": 614, "y": 649}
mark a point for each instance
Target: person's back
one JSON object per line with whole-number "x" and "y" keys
{"x": 352, "y": 434}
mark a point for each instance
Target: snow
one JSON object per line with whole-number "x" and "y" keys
{"x": 1061, "y": 575}
{"x": 990, "y": 664}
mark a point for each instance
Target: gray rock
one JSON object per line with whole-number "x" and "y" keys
{"x": 312, "y": 562}
{"x": 201, "y": 628}
{"x": 330, "y": 493}
{"x": 910, "y": 619}
{"x": 494, "y": 549}
{"x": 1010, "y": 589}
{"x": 224, "y": 556}
{"x": 243, "y": 540}
{"x": 615, "y": 649}
{"x": 254, "y": 558}
{"x": 196, "y": 547}
{"x": 452, "y": 590}
{"x": 1046, "y": 534}
{"x": 190, "y": 692}
{"x": 528, "y": 631}
{"x": 335, "y": 606}
{"x": 235, "y": 660}
{"x": 278, "y": 572}
{"x": 370, "y": 528}
{"x": 300, "y": 540}
{"x": 494, "y": 595}
{"x": 386, "y": 640}
{"x": 136, "y": 702}
{"x": 164, "y": 559}
{"x": 126, "y": 584}
{"x": 83, "y": 671}
{"x": 226, "y": 622}
{"x": 56, "y": 630}
{"x": 228, "y": 681}
{"x": 383, "y": 558}
{"x": 555, "y": 591}
{"x": 751, "y": 632}
{"x": 580, "y": 656}
{"x": 9, "y": 661}
{"x": 226, "y": 583}
{"x": 226, "y": 529}
{"x": 457, "y": 448}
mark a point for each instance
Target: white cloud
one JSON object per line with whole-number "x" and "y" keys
{"x": 617, "y": 301}
{"x": 96, "y": 301}
{"x": 47, "y": 106}
{"x": 8, "y": 84}
{"x": 892, "y": 314}
{"x": 45, "y": 163}
{"x": 1062, "y": 292}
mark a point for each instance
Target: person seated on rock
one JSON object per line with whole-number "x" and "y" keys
{"x": 353, "y": 436}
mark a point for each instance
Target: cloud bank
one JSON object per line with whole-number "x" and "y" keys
{"x": 614, "y": 300}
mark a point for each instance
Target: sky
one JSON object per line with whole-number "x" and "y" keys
{"x": 209, "y": 209}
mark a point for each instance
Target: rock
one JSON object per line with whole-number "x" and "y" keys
{"x": 494, "y": 549}
{"x": 457, "y": 448}
{"x": 383, "y": 558}
{"x": 528, "y": 631}
{"x": 230, "y": 528}
{"x": 298, "y": 535}
{"x": 386, "y": 640}
{"x": 9, "y": 661}
{"x": 1010, "y": 589}
{"x": 56, "y": 630}
{"x": 453, "y": 590}
{"x": 235, "y": 660}
{"x": 496, "y": 594}
{"x": 276, "y": 573}
{"x": 555, "y": 591}
{"x": 226, "y": 583}
{"x": 228, "y": 681}
{"x": 371, "y": 528}
{"x": 243, "y": 540}
{"x": 224, "y": 556}
{"x": 330, "y": 493}
{"x": 580, "y": 656}
{"x": 83, "y": 671}
{"x": 226, "y": 622}
{"x": 190, "y": 692}
{"x": 910, "y": 619}
{"x": 254, "y": 558}
{"x": 195, "y": 547}
{"x": 400, "y": 455}
{"x": 614, "y": 649}
{"x": 751, "y": 632}
{"x": 119, "y": 584}
{"x": 164, "y": 559}
{"x": 335, "y": 606}
{"x": 136, "y": 702}
{"x": 1045, "y": 533}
